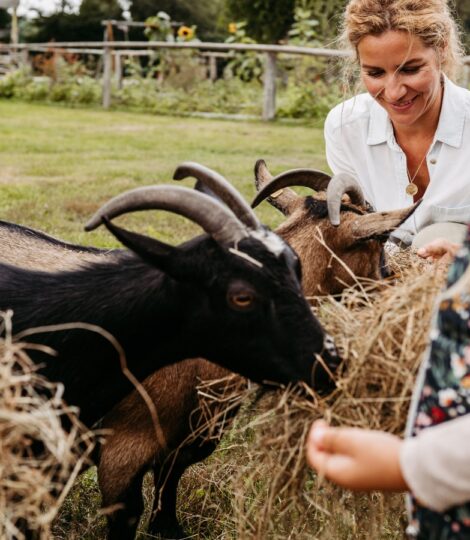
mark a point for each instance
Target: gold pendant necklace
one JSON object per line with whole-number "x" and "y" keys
{"x": 412, "y": 188}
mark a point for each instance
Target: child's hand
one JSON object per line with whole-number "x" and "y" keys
{"x": 357, "y": 459}
{"x": 439, "y": 250}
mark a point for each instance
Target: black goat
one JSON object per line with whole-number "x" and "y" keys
{"x": 130, "y": 419}
{"x": 232, "y": 296}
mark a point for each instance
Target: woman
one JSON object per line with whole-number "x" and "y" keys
{"x": 409, "y": 137}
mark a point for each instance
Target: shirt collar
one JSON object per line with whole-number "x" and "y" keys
{"x": 451, "y": 121}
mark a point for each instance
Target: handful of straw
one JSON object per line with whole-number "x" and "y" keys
{"x": 39, "y": 460}
{"x": 259, "y": 483}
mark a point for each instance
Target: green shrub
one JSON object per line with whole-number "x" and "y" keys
{"x": 301, "y": 97}
{"x": 308, "y": 100}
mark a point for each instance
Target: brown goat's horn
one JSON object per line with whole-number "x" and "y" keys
{"x": 222, "y": 188}
{"x": 311, "y": 178}
{"x": 215, "y": 218}
{"x": 341, "y": 184}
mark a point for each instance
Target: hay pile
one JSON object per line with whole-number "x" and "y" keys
{"x": 257, "y": 484}
{"x": 38, "y": 459}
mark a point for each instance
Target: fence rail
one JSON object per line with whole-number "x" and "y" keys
{"x": 112, "y": 52}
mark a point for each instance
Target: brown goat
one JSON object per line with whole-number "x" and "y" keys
{"x": 333, "y": 256}
{"x": 132, "y": 447}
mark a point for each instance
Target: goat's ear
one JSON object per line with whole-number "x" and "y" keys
{"x": 380, "y": 224}
{"x": 151, "y": 250}
{"x": 285, "y": 200}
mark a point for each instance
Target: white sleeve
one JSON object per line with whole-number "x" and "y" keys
{"x": 436, "y": 464}
{"x": 336, "y": 151}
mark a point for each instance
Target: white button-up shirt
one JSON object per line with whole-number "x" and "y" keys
{"x": 360, "y": 140}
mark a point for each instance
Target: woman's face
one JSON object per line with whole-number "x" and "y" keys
{"x": 403, "y": 75}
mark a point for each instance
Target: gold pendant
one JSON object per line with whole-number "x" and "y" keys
{"x": 412, "y": 189}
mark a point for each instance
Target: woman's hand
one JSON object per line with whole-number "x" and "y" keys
{"x": 439, "y": 250}
{"x": 357, "y": 459}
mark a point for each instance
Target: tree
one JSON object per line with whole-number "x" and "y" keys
{"x": 267, "y": 21}
{"x": 82, "y": 26}
{"x": 5, "y": 21}
{"x": 203, "y": 13}
{"x": 462, "y": 9}
{"x": 328, "y": 13}
{"x": 100, "y": 9}
{"x": 92, "y": 12}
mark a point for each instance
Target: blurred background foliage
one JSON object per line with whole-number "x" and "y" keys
{"x": 181, "y": 82}
{"x": 266, "y": 21}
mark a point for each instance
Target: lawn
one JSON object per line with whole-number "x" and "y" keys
{"x": 57, "y": 165}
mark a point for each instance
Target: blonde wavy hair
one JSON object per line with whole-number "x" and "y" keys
{"x": 430, "y": 20}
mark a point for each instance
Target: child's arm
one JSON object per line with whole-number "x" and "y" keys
{"x": 357, "y": 459}
{"x": 435, "y": 465}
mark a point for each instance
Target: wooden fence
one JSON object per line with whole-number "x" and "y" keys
{"x": 113, "y": 51}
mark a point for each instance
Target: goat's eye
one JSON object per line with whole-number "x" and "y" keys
{"x": 240, "y": 298}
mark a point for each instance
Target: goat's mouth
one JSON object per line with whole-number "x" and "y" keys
{"x": 325, "y": 367}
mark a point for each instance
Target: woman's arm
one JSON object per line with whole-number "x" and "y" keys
{"x": 439, "y": 250}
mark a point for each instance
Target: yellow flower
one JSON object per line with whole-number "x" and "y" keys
{"x": 232, "y": 27}
{"x": 185, "y": 32}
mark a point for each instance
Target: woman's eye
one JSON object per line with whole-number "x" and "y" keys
{"x": 375, "y": 74}
{"x": 410, "y": 70}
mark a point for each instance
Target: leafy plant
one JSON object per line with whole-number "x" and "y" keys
{"x": 159, "y": 28}
{"x": 246, "y": 66}
{"x": 304, "y": 28}
{"x": 267, "y": 21}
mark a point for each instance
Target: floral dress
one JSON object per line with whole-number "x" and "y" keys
{"x": 443, "y": 393}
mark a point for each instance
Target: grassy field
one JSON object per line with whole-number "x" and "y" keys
{"x": 57, "y": 165}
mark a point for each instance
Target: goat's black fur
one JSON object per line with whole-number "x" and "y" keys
{"x": 318, "y": 208}
{"x": 160, "y": 318}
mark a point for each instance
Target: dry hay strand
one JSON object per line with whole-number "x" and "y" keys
{"x": 257, "y": 484}
{"x": 39, "y": 459}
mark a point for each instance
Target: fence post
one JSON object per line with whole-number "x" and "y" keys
{"x": 118, "y": 68}
{"x": 107, "y": 76}
{"x": 108, "y": 66}
{"x": 269, "y": 100}
{"x": 212, "y": 67}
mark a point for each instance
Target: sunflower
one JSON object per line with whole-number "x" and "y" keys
{"x": 232, "y": 28}
{"x": 184, "y": 32}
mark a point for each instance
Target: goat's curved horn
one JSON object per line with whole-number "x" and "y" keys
{"x": 222, "y": 188}
{"x": 215, "y": 218}
{"x": 311, "y": 178}
{"x": 341, "y": 184}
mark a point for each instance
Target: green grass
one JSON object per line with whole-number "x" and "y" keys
{"x": 57, "y": 165}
